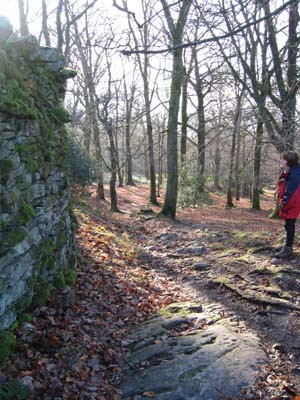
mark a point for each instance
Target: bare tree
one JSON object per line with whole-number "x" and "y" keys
{"x": 129, "y": 94}
{"x": 142, "y": 36}
{"x": 105, "y": 108}
{"x": 91, "y": 75}
{"x": 23, "y": 18}
{"x": 236, "y": 127}
{"x": 281, "y": 84}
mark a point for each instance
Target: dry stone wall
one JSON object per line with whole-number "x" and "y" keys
{"x": 37, "y": 249}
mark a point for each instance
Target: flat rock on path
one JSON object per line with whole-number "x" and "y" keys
{"x": 187, "y": 352}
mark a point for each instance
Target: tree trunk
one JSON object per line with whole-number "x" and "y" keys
{"x": 146, "y": 162}
{"x": 200, "y": 115}
{"x": 96, "y": 132}
{"x": 217, "y": 165}
{"x": 169, "y": 208}
{"x": 45, "y": 24}
{"x": 257, "y": 164}
{"x": 176, "y": 31}
{"x": 114, "y": 166}
{"x": 23, "y": 19}
{"x": 160, "y": 156}
{"x": 229, "y": 202}
{"x": 236, "y": 126}
{"x": 129, "y": 172}
{"x": 128, "y": 105}
{"x": 98, "y": 151}
{"x": 151, "y": 159}
{"x": 184, "y": 118}
{"x": 59, "y": 29}
{"x": 238, "y": 167}
{"x": 87, "y": 122}
{"x": 116, "y": 141}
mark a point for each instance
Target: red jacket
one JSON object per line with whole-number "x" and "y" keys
{"x": 289, "y": 193}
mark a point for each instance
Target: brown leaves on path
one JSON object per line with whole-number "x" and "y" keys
{"x": 77, "y": 353}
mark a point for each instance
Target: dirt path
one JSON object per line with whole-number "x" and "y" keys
{"x": 225, "y": 258}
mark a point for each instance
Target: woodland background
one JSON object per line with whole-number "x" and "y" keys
{"x": 190, "y": 94}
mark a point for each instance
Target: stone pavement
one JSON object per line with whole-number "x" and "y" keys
{"x": 191, "y": 352}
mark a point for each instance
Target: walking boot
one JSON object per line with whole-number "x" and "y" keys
{"x": 285, "y": 252}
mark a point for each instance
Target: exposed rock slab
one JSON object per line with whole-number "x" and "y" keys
{"x": 178, "y": 356}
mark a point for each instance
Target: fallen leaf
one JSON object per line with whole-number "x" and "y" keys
{"x": 149, "y": 394}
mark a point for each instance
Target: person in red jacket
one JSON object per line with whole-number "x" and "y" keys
{"x": 289, "y": 198}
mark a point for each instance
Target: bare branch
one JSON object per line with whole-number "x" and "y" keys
{"x": 210, "y": 39}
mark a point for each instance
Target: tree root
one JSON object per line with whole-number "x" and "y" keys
{"x": 254, "y": 298}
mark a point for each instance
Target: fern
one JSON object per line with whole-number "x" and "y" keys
{"x": 14, "y": 391}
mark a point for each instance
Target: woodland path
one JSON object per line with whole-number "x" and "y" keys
{"x": 236, "y": 335}
{"x": 167, "y": 310}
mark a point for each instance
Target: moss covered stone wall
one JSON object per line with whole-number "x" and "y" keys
{"x": 36, "y": 229}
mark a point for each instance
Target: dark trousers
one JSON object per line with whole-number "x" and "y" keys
{"x": 290, "y": 231}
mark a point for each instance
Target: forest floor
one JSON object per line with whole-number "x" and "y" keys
{"x": 146, "y": 286}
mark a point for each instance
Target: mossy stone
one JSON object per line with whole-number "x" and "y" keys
{"x": 11, "y": 238}
{"x": 43, "y": 293}
{"x": 23, "y": 318}
{"x": 7, "y": 344}
{"x": 47, "y": 246}
{"x": 6, "y": 166}
{"x": 25, "y": 302}
{"x": 4, "y": 63}
{"x": 61, "y": 114}
{"x": 32, "y": 165}
{"x": 26, "y": 213}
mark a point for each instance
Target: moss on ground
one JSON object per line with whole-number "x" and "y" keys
{"x": 71, "y": 277}
{"x": 59, "y": 280}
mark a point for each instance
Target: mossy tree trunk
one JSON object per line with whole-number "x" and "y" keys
{"x": 176, "y": 32}
{"x": 184, "y": 118}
